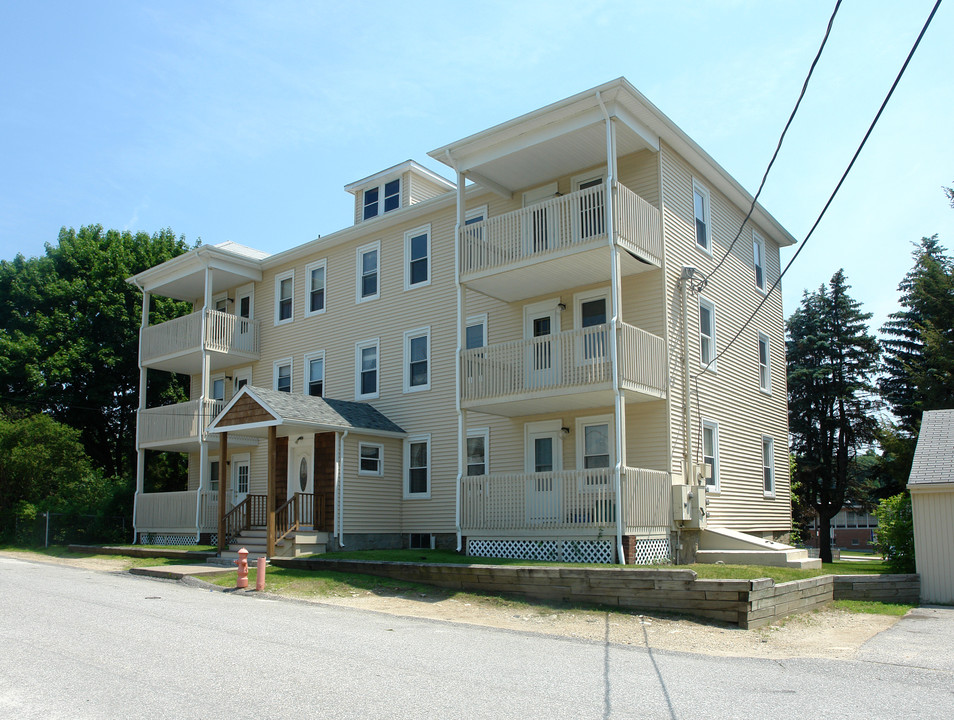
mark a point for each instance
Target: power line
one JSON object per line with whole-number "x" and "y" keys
{"x": 831, "y": 198}
{"x": 778, "y": 147}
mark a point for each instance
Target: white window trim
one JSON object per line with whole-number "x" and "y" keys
{"x": 408, "y": 336}
{"x": 278, "y": 296}
{"x": 716, "y": 487}
{"x": 707, "y": 197}
{"x": 218, "y": 297}
{"x": 758, "y": 241}
{"x": 359, "y": 253}
{"x": 767, "y": 388}
{"x": 213, "y": 459}
{"x": 581, "y": 423}
{"x": 770, "y": 466}
{"x": 424, "y": 438}
{"x": 470, "y": 322}
{"x": 585, "y": 296}
{"x": 596, "y": 174}
{"x": 212, "y": 378}
{"x": 479, "y": 211}
{"x": 422, "y": 230}
{"x": 537, "y": 195}
{"x": 323, "y": 263}
{"x": 358, "y": 347}
{"x": 291, "y": 373}
{"x": 250, "y": 291}
{"x": 713, "y": 351}
{"x": 306, "y": 372}
{"x": 483, "y": 432}
{"x": 380, "y": 470}
{"x": 239, "y": 374}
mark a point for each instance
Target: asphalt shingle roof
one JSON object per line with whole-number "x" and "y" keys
{"x": 342, "y": 414}
{"x": 934, "y": 456}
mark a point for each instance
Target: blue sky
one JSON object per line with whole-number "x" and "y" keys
{"x": 243, "y": 121}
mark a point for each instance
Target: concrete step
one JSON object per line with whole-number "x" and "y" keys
{"x": 793, "y": 558}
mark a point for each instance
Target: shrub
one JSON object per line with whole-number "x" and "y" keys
{"x": 896, "y": 532}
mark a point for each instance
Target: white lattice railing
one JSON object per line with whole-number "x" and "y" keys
{"x": 563, "y": 360}
{"x": 558, "y": 224}
{"x": 224, "y": 333}
{"x": 180, "y": 421}
{"x": 570, "y": 500}
{"x": 166, "y": 511}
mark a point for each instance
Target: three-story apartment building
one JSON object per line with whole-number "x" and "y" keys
{"x": 531, "y": 360}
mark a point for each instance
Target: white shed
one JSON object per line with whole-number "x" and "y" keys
{"x": 932, "y": 499}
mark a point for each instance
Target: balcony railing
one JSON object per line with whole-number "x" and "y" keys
{"x": 166, "y": 511}
{"x": 224, "y": 333}
{"x": 561, "y": 224}
{"x": 180, "y": 421}
{"x": 576, "y": 358}
{"x": 570, "y": 500}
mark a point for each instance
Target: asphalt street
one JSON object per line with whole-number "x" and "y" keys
{"x": 85, "y": 644}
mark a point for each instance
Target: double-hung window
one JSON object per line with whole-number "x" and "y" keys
{"x": 417, "y": 253}
{"x": 768, "y": 466}
{"x": 366, "y": 370}
{"x": 417, "y": 353}
{"x": 284, "y": 297}
{"x": 282, "y": 374}
{"x": 315, "y": 277}
{"x": 710, "y": 453}
{"x": 477, "y": 446}
{"x": 417, "y": 463}
{"x": 592, "y": 311}
{"x": 594, "y": 447}
{"x": 475, "y": 332}
{"x": 367, "y": 267}
{"x": 370, "y": 459}
{"x": 758, "y": 261}
{"x": 315, "y": 374}
{"x": 702, "y": 216}
{"x": 214, "y": 475}
{"x": 218, "y": 389}
{"x": 765, "y": 376}
{"x": 707, "y": 333}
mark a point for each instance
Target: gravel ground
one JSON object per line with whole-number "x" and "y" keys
{"x": 824, "y": 633}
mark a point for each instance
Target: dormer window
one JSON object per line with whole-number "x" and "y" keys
{"x": 382, "y": 199}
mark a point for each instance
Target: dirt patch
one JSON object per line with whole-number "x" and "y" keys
{"x": 824, "y": 633}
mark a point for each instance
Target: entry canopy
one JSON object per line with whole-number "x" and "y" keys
{"x": 253, "y": 410}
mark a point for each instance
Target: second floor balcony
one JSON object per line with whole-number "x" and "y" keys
{"x": 179, "y": 427}
{"x": 559, "y": 243}
{"x": 177, "y": 345}
{"x": 564, "y": 371}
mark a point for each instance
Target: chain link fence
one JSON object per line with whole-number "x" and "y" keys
{"x": 69, "y": 528}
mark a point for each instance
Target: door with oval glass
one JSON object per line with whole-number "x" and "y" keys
{"x": 300, "y": 469}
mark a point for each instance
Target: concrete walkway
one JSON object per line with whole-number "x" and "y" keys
{"x": 177, "y": 572}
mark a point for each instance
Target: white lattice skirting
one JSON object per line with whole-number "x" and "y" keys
{"x": 650, "y": 552}
{"x": 577, "y": 551}
{"x": 164, "y": 539}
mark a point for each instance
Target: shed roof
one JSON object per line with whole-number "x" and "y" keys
{"x": 934, "y": 456}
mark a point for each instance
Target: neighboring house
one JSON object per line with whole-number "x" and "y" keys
{"x": 853, "y": 528}
{"x": 932, "y": 501}
{"x": 523, "y": 340}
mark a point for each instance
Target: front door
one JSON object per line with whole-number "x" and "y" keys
{"x": 543, "y": 357}
{"x": 239, "y": 478}
{"x": 544, "y": 460}
{"x": 300, "y": 466}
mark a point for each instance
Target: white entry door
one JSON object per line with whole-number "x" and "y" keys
{"x": 301, "y": 472}
{"x": 541, "y": 327}
{"x": 544, "y": 459}
{"x": 240, "y": 477}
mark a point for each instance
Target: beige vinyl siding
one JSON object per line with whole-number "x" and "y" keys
{"x": 933, "y": 506}
{"x": 420, "y": 188}
{"x": 372, "y": 504}
{"x": 640, "y": 173}
{"x": 731, "y": 395}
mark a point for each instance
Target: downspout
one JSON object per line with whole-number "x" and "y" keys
{"x": 615, "y": 322}
{"x": 684, "y": 283}
{"x": 339, "y": 488}
{"x": 458, "y": 228}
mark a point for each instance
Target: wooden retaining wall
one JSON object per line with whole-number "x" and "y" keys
{"x": 748, "y": 603}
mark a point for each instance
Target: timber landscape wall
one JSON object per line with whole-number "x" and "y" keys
{"x": 748, "y": 603}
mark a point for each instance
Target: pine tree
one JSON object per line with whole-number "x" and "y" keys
{"x": 832, "y": 359}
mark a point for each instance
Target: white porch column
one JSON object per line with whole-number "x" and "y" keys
{"x": 203, "y": 396}
{"x": 140, "y": 453}
{"x": 619, "y": 407}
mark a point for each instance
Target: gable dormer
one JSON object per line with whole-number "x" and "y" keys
{"x": 395, "y": 188}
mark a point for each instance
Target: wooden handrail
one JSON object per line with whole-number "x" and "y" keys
{"x": 236, "y": 520}
{"x": 286, "y": 518}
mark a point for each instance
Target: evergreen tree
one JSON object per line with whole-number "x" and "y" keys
{"x": 919, "y": 340}
{"x": 832, "y": 359}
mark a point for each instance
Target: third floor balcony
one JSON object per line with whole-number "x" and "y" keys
{"x": 559, "y": 243}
